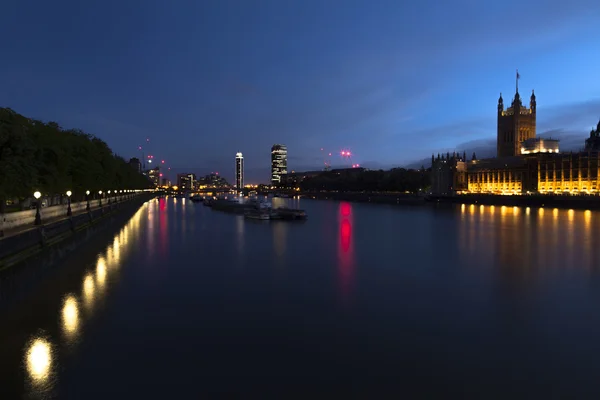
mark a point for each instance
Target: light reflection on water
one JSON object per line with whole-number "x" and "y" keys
{"x": 40, "y": 356}
{"x": 70, "y": 316}
{"x": 38, "y": 359}
{"x": 516, "y": 243}
{"x": 534, "y": 237}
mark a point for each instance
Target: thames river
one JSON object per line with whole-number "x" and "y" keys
{"x": 184, "y": 301}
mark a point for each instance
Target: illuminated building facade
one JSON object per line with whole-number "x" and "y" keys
{"x": 574, "y": 173}
{"x": 154, "y": 176}
{"x": 278, "y": 163}
{"x": 525, "y": 164}
{"x": 186, "y": 182}
{"x": 449, "y": 174}
{"x": 508, "y": 175}
{"x": 239, "y": 171}
{"x": 539, "y": 145}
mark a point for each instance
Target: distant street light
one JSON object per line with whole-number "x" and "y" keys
{"x": 100, "y": 193}
{"x": 38, "y": 217}
{"x": 87, "y": 199}
{"x": 69, "y": 212}
{"x": 108, "y": 197}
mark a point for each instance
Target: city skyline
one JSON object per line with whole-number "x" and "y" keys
{"x": 285, "y": 73}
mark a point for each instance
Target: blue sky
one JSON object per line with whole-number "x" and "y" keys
{"x": 206, "y": 79}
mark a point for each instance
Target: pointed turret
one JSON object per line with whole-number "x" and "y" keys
{"x": 474, "y": 157}
{"x": 532, "y": 103}
{"x": 500, "y": 104}
{"x": 464, "y": 156}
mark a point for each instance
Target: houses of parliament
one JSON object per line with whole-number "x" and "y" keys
{"x": 525, "y": 163}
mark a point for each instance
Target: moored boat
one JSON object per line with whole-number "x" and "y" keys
{"x": 257, "y": 214}
{"x": 288, "y": 214}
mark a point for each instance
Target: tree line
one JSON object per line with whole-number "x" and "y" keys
{"x": 394, "y": 180}
{"x": 42, "y": 156}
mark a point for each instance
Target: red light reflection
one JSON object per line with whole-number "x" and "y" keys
{"x": 162, "y": 226}
{"x": 345, "y": 209}
{"x": 345, "y": 251}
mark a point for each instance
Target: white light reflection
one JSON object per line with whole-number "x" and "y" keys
{"x": 101, "y": 273}
{"x": 39, "y": 360}
{"x": 89, "y": 291}
{"x": 70, "y": 316}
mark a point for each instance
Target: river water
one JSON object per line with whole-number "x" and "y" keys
{"x": 362, "y": 299}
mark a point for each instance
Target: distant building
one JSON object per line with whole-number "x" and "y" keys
{"x": 186, "y": 182}
{"x": 293, "y": 179}
{"x": 165, "y": 182}
{"x": 239, "y": 171}
{"x": 515, "y": 124}
{"x": 449, "y": 174}
{"x": 525, "y": 164}
{"x": 154, "y": 176}
{"x": 212, "y": 180}
{"x": 278, "y": 163}
{"x": 136, "y": 164}
{"x": 593, "y": 142}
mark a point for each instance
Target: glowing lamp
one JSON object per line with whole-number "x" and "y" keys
{"x": 69, "y": 193}
{"x": 37, "y": 195}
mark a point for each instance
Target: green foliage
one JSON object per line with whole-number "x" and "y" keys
{"x": 43, "y": 156}
{"x": 394, "y": 180}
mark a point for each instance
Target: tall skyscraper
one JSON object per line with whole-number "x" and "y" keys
{"x": 515, "y": 124}
{"x": 278, "y": 163}
{"x": 136, "y": 164}
{"x": 239, "y": 171}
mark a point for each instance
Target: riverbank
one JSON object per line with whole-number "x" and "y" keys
{"x": 562, "y": 202}
{"x": 538, "y": 201}
{"x": 26, "y": 257}
{"x": 367, "y": 197}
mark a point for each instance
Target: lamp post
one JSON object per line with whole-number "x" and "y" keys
{"x": 108, "y": 197}
{"x": 38, "y": 217}
{"x": 69, "y": 212}
{"x": 87, "y": 199}
{"x": 100, "y": 193}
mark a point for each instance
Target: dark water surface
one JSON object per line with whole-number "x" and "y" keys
{"x": 366, "y": 299}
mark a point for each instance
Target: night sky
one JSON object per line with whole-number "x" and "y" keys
{"x": 391, "y": 82}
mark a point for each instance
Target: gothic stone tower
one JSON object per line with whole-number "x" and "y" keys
{"x": 515, "y": 124}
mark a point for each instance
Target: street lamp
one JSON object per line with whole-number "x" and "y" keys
{"x": 109, "y": 197}
{"x": 69, "y": 212}
{"x": 38, "y": 217}
{"x": 87, "y": 199}
{"x": 100, "y": 193}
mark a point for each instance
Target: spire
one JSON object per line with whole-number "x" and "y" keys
{"x": 532, "y": 102}
{"x": 517, "y": 81}
{"x": 464, "y": 156}
{"x": 474, "y": 157}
